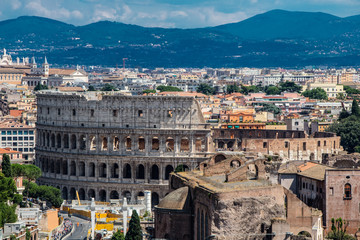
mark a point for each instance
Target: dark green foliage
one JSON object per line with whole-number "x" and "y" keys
{"x": 349, "y": 131}
{"x": 45, "y": 193}
{"x": 91, "y": 88}
{"x": 343, "y": 114}
{"x": 338, "y": 230}
{"x": 17, "y": 170}
{"x": 163, "y": 88}
{"x": 147, "y": 91}
{"x": 250, "y": 89}
{"x": 179, "y": 168}
{"x": 205, "y": 89}
{"x": 351, "y": 91}
{"x": 12, "y": 237}
{"x": 355, "y": 110}
{"x": 118, "y": 235}
{"x": 7, "y": 214}
{"x": 7, "y": 188}
{"x": 134, "y": 232}
{"x": 28, "y": 234}
{"x": 6, "y": 165}
{"x": 232, "y": 88}
{"x": 108, "y": 88}
{"x": 289, "y": 87}
{"x": 272, "y": 90}
{"x": 268, "y": 107}
{"x": 40, "y": 87}
{"x": 316, "y": 93}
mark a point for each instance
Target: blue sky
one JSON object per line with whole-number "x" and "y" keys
{"x": 167, "y": 13}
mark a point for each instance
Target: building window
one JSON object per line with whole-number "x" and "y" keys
{"x": 115, "y": 113}
{"x": 296, "y": 123}
{"x": 324, "y": 143}
{"x": 318, "y": 143}
{"x": 286, "y": 144}
{"x": 140, "y": 113}
{"x": 264, "y": 144}
{"x": 74, "y": 112}
{"x": 59, "y": 111}
{"x": 331, "y": 191}
{"x": 347, "y": 191}
{"x": 304, "y": 146}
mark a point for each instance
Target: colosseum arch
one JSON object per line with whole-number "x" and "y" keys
{"x": 199, "y": 145}
{"x": 65, "y": 167}
{"x": 140, "y": 172}
{"x": 91, "y": 169}
{"x": 91, "y": 194}
{"x": 92, "y": 143}
{"x": 116, "y": 143}
{"x": 114, "y": 195}
{"x": 52, "y": 166}
{"x": 47, "y": 139}
{"x": 82, "y": 142}
{"x": 127, "y": 171}
{"x": 81, "y": 194}
{"x": 168, "y": 170}
{"x": 235, "y": 164}
{"x": 155, "y": 144}
{"x": 253, "y": 172}
{"x": 72, "y": 194}
{"x": 154, "y": 174}
{"x": 128, "y": 143}
{"x": 104, "y": 144}
{"x": 53, "y": 140}
{"x": 66, "y": 141}
{"x": 102, "y": 195}
{"x": 73, "y": 141}
{"x": 170, "y": 144}
{"x": 115, "y": 171}
{"x": 65, "y": 193}
{"x": 58, "y": 166}
{"x": 221, "y": 144}
{"x": 127, "y": 195}
{"x": 141, "y": 144}
{"x": 58, "y": 140}
{"x": 141, "y": 194}
{"x": 82, "y": 169}
{"x": 102, "y": 170}
{"x": 43, "y": 139}
{"x": 184, "y": 144}
{"x": 73, "y": 168}
{"x": 154, "y": 199}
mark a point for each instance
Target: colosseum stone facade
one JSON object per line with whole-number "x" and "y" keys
{"x": 110, "y": 146}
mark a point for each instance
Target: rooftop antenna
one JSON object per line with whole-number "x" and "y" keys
{"x": 124, "y": 59}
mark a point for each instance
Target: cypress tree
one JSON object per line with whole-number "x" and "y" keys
{"x": 355, "y": 110}
{"x": 6, "y": 165}
{"x": 134, "y": 232}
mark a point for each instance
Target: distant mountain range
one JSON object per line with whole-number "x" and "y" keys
{"x": 273, "y": 39}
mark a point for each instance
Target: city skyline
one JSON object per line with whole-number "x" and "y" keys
{"x": 165, "y": 13}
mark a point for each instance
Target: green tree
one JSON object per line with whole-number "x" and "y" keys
{"x": 316, "y": 93}
{"x": 351, "y": 91}
{"x": 338, "y": 230}
{"x": 6, "y": 165}
{"x": 289, "y": 87}
{"x": 12, "y": 237}
{"x": 31, "y": 172}
{"x": 28, "y": 234}
{"x": 91, "y": 88}
{"x": 40, "y": 87}
{"x": 49, "y": 194}
{"x": 355, "y": 110}
{"x": 268, "y": 107}
{"x": 205, "y": 89}
{"x": 7, "y": 214}
{"x": 272, "y": 90}
{"x": 349, "y": 131}
{"x": 232, "y": 88}
{"x": 134, "y": 232}
{"x": 344, "y": 114}
{"x": 163, "y": 88}
{"x": 118, "y": 235}
{"x": 108, "y": 88}
{"x": 147, "y": 91}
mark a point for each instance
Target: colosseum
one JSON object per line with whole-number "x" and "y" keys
{"x": 110, "y": 146}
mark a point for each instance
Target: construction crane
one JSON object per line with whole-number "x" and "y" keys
{"x": 77, "y": 195}
{"x": 124, "y": 59}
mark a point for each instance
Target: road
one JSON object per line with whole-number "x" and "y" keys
{"x": 80, "y": 231}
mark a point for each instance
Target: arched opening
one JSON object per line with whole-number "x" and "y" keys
{"x": 102, "y": 170}
{"x": 104, "y": 145}
{"x": 72, "y": 168}
{"x": 48, "y": 139}
{"x": 305, "y": 234}
{"x": 230, "y": 144}
{"x": 91, "y": 194}
{"x": 235, "y": 164}
{"x": 58, "y": 166}
{"x": 169, "y": 144}
{"x": 253, "y": 172}
{"x": 219, "y": 158}
{"x": 82, "y": 194}
{"x": 114, "y": 195}
{"x": 168, "y": 170}
{"x": 184, "y": 145}
{"x": 141, "y": 144}
{"x": 65, "y": 167}
{"x": 115, "y": 171}
{"x": 154, "y": 174}
{"x": 128, "y": 143}
{"x": 43, "y": 140}
{"x": 199, "y": 145}
{"x": 66, "y": 141}
{"x": 52, "y": 140}
{"x": 140, "y": 172}
{"x": 65, "y": 193}
{"x": 141, "y": 194}
{"x": 72, "y": 194}
{"x": 92, "y": 143}
{"x": 52, "y": 166}
{"x": 91, "y": 170}
{"x": 347, "y": 191}
{"x": 221, "y": 144}
{"x": 154, "y": 199}
{"x": 82, "y": 169}
{"x": 102, "y": 196}
{"x": 82, "y": 142}
{"x": 155, "y": 144}
{"x": 58, "y": 140}
{"x": 73, "y": 141}
{"x": 127, "y": 195}
{"x": 116, "y": 144}
{"x": 127, "y": 171}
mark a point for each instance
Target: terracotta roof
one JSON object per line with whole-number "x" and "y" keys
{"x": 8, "y": 151}
{"x": 13, "y": 124}
{"x": 59, "y": 71}
{"x": 15, "y": 113}
{"x": 10, "y": 70}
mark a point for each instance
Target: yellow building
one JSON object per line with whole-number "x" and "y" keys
{"x": 11, "y": 76}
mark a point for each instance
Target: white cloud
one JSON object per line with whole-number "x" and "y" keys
{"x": 36, "y": 7}
{"x": 15, "y": 4}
